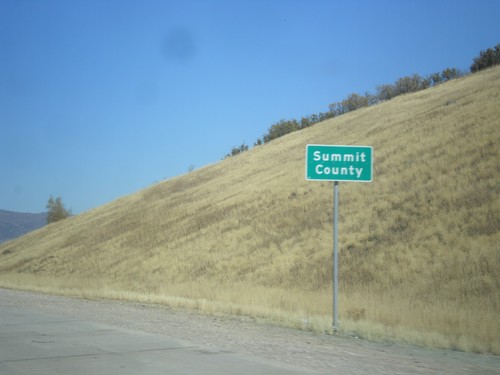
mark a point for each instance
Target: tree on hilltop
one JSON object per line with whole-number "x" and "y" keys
{"x": 56, "y": 210}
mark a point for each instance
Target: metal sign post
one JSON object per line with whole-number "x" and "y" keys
{"x": 335, "y": 255}
{"x": 338, "y": 163}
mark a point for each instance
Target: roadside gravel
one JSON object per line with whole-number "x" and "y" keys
{"x": 325, "y": 354}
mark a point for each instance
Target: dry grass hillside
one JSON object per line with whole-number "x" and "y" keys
{"x": 419, "y": 246}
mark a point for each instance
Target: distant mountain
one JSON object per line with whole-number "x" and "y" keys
{"x": 15, "y": 224}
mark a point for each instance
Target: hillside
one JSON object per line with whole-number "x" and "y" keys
{"x": 419, "y": 246}
{"x": 15, "y": 224}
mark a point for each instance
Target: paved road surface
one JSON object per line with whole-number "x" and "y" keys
{"x": 32, "y": 342}
{"x": 44, "y": 334}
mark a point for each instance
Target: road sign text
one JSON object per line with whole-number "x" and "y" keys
{"x": 339, "y": 163}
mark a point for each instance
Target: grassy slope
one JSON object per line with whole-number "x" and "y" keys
{"x": 419, "y": 246}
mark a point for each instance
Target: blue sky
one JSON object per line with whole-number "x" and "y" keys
{"x": 99, "y": 99}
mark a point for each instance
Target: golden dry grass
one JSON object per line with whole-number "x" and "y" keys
{"x": 419, "y": 246}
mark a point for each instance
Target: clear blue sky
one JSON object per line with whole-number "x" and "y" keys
{"x": 99, "y": 99}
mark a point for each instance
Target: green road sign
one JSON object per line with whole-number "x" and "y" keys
{"x": 339, "y": 163}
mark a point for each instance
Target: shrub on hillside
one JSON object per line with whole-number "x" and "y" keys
{"x": 385, "y": 92}
{"x": 486, "y": 59}
{"x": 238, "y": 150}
{"x": 281, "y": 128}
{"x": 408, "y": 84}
{"x": 355, "y": 101}
{"x": 450, "y": 73}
